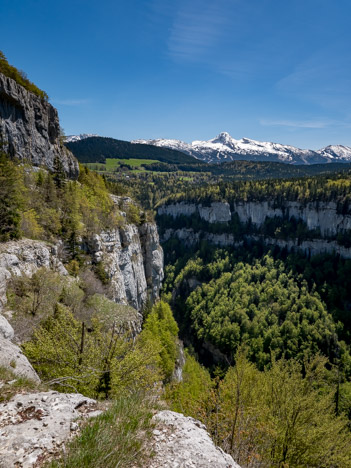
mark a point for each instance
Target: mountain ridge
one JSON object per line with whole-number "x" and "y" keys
{"x": 225, "y": 148}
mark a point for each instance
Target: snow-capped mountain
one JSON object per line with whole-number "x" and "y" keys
{"x": 224, "y": 148}
{"x": 82, "y": 136}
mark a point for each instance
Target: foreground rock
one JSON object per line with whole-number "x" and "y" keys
{"x": 35, "y": 425}
{"x": 181, "y": 442}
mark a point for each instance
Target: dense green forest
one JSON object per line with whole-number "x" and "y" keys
{"x": 20, "y": 77}
{"x": 321, "y": 188}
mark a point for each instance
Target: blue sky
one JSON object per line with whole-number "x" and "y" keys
{"x": 188, "y": 69}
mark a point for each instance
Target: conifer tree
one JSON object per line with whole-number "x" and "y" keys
{"x": 10, "y": 201}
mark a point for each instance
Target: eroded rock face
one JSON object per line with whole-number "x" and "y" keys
{"x": 153, "y": 258}
{"x": 25, "y": 257}
{"x": 133, "y": 260}
{"x": 30, "y": 128}
{"x": 180, "y": 441}
{"x": 12, "y": 358}
{"x": 216, "y": 212}
{"x": 19, "y": 258}
{"x": 35, "y": 425}
{"x": 324, "y": 217}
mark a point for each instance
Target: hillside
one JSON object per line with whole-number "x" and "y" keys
{"x": 98, "y": 149}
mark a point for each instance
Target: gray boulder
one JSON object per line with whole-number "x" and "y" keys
{"x": 183, "y": 442}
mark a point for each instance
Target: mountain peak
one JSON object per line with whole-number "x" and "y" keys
{"x": 223, "y": 137}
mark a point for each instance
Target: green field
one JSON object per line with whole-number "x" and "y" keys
{"x": 113, "y": 164}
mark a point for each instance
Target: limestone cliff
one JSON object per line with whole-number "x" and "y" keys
{"x": 131, "y": 256}
{"x": 30, "y": 129}
{"x": 322, "y": 217}
{"x": 133, "y": 260}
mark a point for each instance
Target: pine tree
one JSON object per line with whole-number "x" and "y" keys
{"x": 10, "y": 201}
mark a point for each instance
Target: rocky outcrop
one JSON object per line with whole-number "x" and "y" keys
{"x": 120, "y": 253}
{"x": 30, "y": 129}
{"x": 25, "y": 257}
{"x": 317, "y": 215}
{"x": 12, "y": 358}
{"x": 133, "y": 260}
{"x": 153, "y": 258}
{"x": 35, "y": 426}
{"x": 180, "y": 441}
{"x": 216, "y": 212}
{"x": 324, "y": 218}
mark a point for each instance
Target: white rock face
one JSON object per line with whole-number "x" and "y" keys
{"x": 323, "y": 216}
{"x": 121, "y": 254}
{"x": 12, "y": 358}
{"x": 133, "y": 260}
{"x": 34, "y": 425}
{"x": 25, "y": 257}
{"x": 153, "y": 258}
{"x": 6, "y": 330}
{"x": 183, "y": 442}
{"x": 177, "y": 209}
{"x": 217, "y": 212}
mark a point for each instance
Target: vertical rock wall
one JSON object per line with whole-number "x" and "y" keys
{"x": 30, "y": 129}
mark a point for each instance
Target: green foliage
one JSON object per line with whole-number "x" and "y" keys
{"x": 10, "y": 199}
{"x": 283, "y": 416}
{"x": 97, "y": 356}
{"x": 33, "y": 299}
{"x": 40, "y": 205}
{"x": 161, "y": 330}
{"x": 20, "y": 77}
{"x": 118, "y": 437}
{"x": 264, "y": 306}
{"x": 93, "y": 361}
{"x": 194, "y": 396}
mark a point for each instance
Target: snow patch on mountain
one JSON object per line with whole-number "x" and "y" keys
{"x": 226, "y": 148}
{"x": 82, "y": 136}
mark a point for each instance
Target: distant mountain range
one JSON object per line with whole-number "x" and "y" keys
{"x": 82, "y": 136}
{"x": 224, "y": 148}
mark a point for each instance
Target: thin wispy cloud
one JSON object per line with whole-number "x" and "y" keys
{"x": 197, "y": 29}
{"x": 295, "y": 123}
{"x": 304, "y": 123}
{"x": 71, "y": 102}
